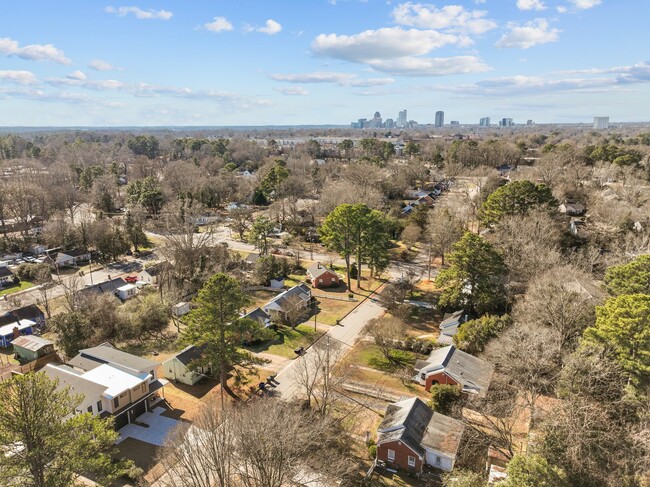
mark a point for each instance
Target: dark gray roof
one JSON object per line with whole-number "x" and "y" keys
{"x": 107, "y": 354}
{"x": 188, "y": 354}
{"x": 455, "y": 318}
{"x": 105, "y": 287}
{"x": 258, "y": 314}
{"x": 156, "y": 269}
{"x": 76, "y": 252}
{"x": 5, "y": 271}
{"x": 282, "y": 300}
{"x": 30, "y": 312}
{"x": 472, "y": 373}
{"x": 415, "y": 424}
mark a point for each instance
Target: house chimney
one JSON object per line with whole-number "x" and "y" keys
{"x": 16, "y": 332}
{"x": 319, "y": 266}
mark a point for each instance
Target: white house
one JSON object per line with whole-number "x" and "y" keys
{"x": 6, "y": 276}
{"x": 177, "y": 368}
{"x": 127, "y": 291}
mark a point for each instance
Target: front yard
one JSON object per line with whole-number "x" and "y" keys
{"x": 14, "y": 289}
{"x": 287, "y": 340}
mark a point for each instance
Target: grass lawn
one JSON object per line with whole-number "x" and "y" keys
{"x": 382, "y": 381}
{"x": 14, "y": 289}
{"x": 368, "y": 355}
{"x": 287, "y": 340}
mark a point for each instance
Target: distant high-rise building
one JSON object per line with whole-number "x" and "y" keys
{"x": 390, "y": 123}
{"x": 601, "y": 123}
{"x": 530, "y": 122}
{"x": 401, "y": 119}
{"x": 485, "y": 122}
{"x": 440, "y": 119}
{"x": 376, "y": 120}
{"x": 454, "y": 122}
{"x": 506, "y": 122}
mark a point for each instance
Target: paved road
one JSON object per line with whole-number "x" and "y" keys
{"x": 346, "y": 333}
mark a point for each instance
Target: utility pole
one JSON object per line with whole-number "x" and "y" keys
{"x": 90, "y": 269}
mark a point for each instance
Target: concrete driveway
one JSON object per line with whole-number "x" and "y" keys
{"x": 157, "y": 432}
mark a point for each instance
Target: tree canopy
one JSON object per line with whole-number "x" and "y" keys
{"x": 630, "y": 278}
{"x": 622, "y": 328}
{"x": 515, "y": 198}
{"x": 53, "y": 444}
{"x": 476, "y": 278}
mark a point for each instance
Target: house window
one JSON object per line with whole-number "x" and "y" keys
{"x": 438, "y": 460}
{"x": 90, "y": 409}
{"x": 320, "y": 280}
{"x": 116, "y": 402}
{"x": 99, "y": 406}
{"x": 391, "y": 455}
{"x": 333, "y": 279}
{"x": 411, "y": 461}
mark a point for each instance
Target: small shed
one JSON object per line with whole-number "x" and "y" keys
{"x": 181, "y": 309}
{"x": 277, "y": 282}
{"x": 28, "y": 348}
{"x": 126, "y": 292}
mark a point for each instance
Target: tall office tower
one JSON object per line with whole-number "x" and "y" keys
{"x": 390, "y": 123}
{"x": 484, "y": 122}
{"x": 401, "y": 118}
{"x": 601, "y": 123}
{"x": 440, "y": 119}
{"x": 530, "y": 122}
{"x": 376, "y": 121}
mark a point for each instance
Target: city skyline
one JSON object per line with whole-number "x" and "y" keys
{"x": 274, "y": 63}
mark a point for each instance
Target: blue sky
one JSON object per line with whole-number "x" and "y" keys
{"x": 262, "y": 62}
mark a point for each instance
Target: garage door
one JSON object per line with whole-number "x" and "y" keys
{"x": 121, "y": 421}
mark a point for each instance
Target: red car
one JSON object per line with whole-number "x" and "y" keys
{"x": 131, "y": 279}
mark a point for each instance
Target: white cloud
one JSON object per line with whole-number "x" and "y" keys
{"x": 99, "y": 65}
{"x": 585, "y": 4}
{"x": 218, "y": 24}
{"x": 271, "y": 27}
{"x": 530, "y": 34}
{"x": 386, "y": 43}
{"x": 399, "y": 51}
{"x": 440, "y": 66}
{"x": 77, "y": 75}
{"x": 562, "y": 9}
{"x": 108, "y": 84}
{"x": 149, "y": 14}
{"x": 530, "y": 5}
{"x": 341, "y": 79}
{"x": 293, "y": 91}
{"x": 33, "y": 52}
{"x": 453, "y": 18}
{"x": 18, "y": 77}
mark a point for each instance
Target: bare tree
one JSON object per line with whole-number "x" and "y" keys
{"x": 386, "y": 332}
{"x": 315, "y": 373}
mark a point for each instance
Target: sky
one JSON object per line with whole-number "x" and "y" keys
{"x": 296, "y": 62}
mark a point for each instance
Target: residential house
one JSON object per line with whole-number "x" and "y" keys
{"x": 14, "y": 329}
{"x": 119, "y": 384}
{"x": 448, "y": 365}
{"x": 6, "y": 276}
{"x": 320, "y": 276}
{"x": 259, "y": 315}
{"x": 37, "y": 249}
{"x": 577, "y": 227}
{"x": 30, "y": 312}
{"x": 151, "y": 274}
{"x": 106, "y": 287}
{"x": 572, "y": 209}
{"x": 72, "y": 257}
{"x": 28, "y": 348}
{"x": 177, "y": 368}
{"x": 449, "y": 326}
{"x": 411, "y": 436}
{"x": 285, "y": 305}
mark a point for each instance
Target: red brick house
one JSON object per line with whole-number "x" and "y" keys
{"x": 448, "y": 365}
{"x": 411, "y": 436}
{"x": 321, "y": 276}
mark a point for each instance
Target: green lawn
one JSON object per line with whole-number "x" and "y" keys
{"x": 369, "y": 355}
{"x": 14, "y": 289}
{"x": 287, "y": 340}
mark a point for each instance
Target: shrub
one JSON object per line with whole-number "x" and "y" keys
{"x": 443, "y": 397}
{"x": 372, "y": 450}
{"x": 474, "y": 335}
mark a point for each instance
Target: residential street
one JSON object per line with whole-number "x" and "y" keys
{"x": 346, "y": 333}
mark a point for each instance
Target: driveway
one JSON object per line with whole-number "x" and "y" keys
{"x": 346, "y": 333}
{"x": 157, "y": 432}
